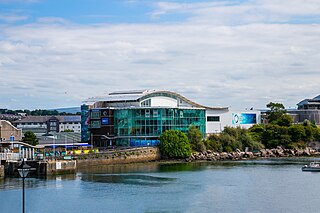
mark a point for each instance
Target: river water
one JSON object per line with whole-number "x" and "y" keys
{"x": 252, "y": 186}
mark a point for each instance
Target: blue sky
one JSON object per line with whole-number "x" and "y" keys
{"x": 241, "y": 54}
{"x": 87, "y": 11}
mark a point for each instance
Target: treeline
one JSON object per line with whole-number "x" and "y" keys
{"x": 37, "y": 112}
{"x": 279, "y": 131}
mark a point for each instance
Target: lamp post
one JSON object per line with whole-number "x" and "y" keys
{"x": 23, "y": 170}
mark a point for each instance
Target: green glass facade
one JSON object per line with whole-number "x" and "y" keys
{"x": 149, "y": 123}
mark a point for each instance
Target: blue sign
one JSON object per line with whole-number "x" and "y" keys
{"x": 244, "y": 118}
{"x": 11, "y": 138}
{"x": 137, "y": 142}
{"x": 104, "y": 121}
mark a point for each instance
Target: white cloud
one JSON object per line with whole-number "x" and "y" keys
{"x": 60, "y": 64}
{"x": 233, "y": 12}
{"x": 12, "y": 17}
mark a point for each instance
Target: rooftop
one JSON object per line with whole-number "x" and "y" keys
{"x": 139, "y": 95}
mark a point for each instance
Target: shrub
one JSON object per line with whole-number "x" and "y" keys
{"x": 174, "y": 144}
{"x": 195, "y": 139}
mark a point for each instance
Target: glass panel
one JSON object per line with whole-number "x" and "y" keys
{"x": 95, "y": 124}
{"x": 95, "y": 114}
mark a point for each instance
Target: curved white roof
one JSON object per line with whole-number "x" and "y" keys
{"x": 140, "y": 95}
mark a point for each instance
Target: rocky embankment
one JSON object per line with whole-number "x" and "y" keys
{"x": 263, "y": 153}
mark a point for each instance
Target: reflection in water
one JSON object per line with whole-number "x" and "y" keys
{"x": 128, "y": 179}
{"x": 244, "y": 186}
{"x": 16, "y": 183}
{"x": 121, "y": 168}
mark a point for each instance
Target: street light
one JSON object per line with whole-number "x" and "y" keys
{"x": 23, "y": 170}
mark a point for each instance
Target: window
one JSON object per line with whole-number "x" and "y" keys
{"x": 95, "y": 114}
{"x": 213, "y": 118}
{"x": 95, "y": 124}
{"x": 147, "y": 113}
{"x": 146, "y": 103}
{"x": 155, "y": 113}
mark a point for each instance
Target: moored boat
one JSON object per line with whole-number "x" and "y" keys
{"x": 312, "y": 167}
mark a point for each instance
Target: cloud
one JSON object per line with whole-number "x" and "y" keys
{"x": 12, "y": 17}
{"x": 243, "y": 12}
{"x": 57, "y": 64}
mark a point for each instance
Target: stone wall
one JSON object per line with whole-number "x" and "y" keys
{"x": 263, "y": 153}
{"x": 119, "y": 157}
{"x": 1, "y": 171}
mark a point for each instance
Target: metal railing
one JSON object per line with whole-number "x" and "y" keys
{"x": 10, "y": 156}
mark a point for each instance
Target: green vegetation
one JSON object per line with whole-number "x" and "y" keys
{"x": 231, "y": 139}
{"x": 280, "y": 131}
{"x": 30, "y": 138}
{"x": 174, "y": 144}
{"x": 195, "y": 138}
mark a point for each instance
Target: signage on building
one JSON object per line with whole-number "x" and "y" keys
{"x": 244, "y": 118}
{"x": 104, "y": 121}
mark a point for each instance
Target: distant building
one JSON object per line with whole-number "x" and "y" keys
{"x": 138, "y": 118}
{"x": 8, "y": 132}
{"x": 309, "y": 109}
{"x": 46, "y": 124}
{"x": 310, "y": 104}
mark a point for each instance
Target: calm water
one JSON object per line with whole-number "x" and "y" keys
{"x": 247, "y": 186}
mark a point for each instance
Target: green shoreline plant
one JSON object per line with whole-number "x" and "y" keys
{"x": 279, "y": 131}
{"x": 174, "y": 144}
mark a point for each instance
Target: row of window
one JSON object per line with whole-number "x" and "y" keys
{"x": 147, "y": 113}
{"x": 51, "y": 123}
{"x": 69, "y": 127}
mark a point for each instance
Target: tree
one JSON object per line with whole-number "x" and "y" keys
{"x": 174, "y": 144}
{"x": 284, "y": 120}
{"x": 256, "y": 132}
{"x": 30, "y": 138}
{"x": 195, "y": 138}
{"x": 297, "y": 132}
{"x": 213, "y": 143}
{"x": 275, "y": 112}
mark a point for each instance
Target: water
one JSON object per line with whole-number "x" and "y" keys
{"x": 247, "y": 186}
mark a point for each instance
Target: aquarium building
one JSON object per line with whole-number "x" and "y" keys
{"x": 138, "y": 118}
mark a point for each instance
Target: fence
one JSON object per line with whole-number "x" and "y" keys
{"x": 10, "y": 156}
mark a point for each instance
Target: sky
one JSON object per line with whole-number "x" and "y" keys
{"x": 236, "y": 53}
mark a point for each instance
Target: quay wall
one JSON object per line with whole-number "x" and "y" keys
{"x": 1, "y": 171}
{"x": 61, "y": 167}
{"x": 136, "y": 155}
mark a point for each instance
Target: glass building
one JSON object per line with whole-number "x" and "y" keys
{"x": 138, "y": 118}
{"x": 143, "y": 126}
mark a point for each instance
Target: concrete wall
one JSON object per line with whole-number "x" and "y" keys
{"x": 163, "y": 102}
{"x": 61, "y": 167}
{"x": 119, "y": 157}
